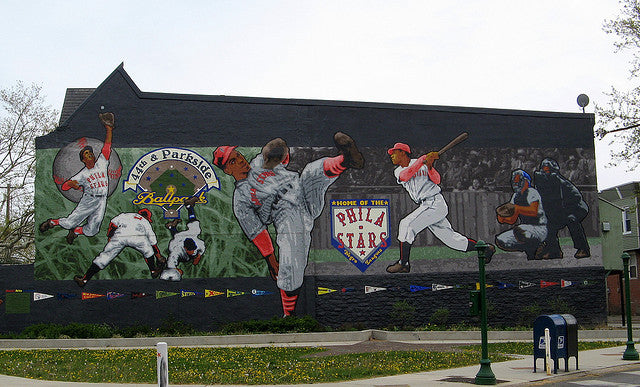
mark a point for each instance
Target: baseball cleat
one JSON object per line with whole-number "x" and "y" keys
{"x": 582, "y": 253}
{"x": 191, "y": 201}
{"x": 71, "y": 236}
{"x": 172, "y": 224}
{"x": 80, "y": 280}
{"x": 347, "y": 147}
{"x": 398, "y": 267}
{"x": 488, "y": 253}
{"x": 46, "y": 225}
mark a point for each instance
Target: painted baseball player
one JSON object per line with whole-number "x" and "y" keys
{"x": 420, "y": 179}
{"x": 184, "y": 246}
{"x": 93, "y": 181}
{"x": 525, "y": 205}
{"x": 129, "y": 229}
{"x": 565, "y": 208}
{"x": 266, "y": 192}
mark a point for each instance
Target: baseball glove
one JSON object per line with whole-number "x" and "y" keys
{"x": 107, "y": 119}
{"x": 506, "y": 210}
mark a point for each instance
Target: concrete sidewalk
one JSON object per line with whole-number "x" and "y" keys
{"x": 513, "y": 372}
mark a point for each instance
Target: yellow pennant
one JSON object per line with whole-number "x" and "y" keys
{"x": 486, "y": 286}
{"x": 322, "y": 291}
{"x": 185, "y": 293}
{"x": 212, "y": 293}
{"x": 233, "y": 293}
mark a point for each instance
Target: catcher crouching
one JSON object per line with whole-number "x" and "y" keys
{"x": 525, "y": 205}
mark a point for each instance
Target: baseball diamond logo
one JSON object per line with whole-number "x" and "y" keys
{"x": 360, "y": 229}
{"x": 167, "y": 176}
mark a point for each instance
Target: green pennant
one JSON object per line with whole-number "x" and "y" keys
{"x": 163, "y": 294}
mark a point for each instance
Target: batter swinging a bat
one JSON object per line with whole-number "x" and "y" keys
{"x": 420, "y": 178}
{"x": 266, "y": 192}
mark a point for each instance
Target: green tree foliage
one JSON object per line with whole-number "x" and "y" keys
{"x": 23, "y": 117}
{"x": 623, "y": 107}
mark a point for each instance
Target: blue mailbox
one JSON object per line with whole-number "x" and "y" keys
{"x": 557, "y": 339}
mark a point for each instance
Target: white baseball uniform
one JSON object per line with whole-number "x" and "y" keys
{"x": 95, "y": 187}
{"x": 132, "y": 230}
{"x": 432, "y": 212}
{"x": 534, "y": 228}
{"x": 291, "y": 202}
{"x": 177, "y": 252}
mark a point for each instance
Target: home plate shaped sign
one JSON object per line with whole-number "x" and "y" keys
{"x": 360, "y": 229}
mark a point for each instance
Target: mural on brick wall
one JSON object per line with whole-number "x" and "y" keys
{"x": 267, "y": 193}
{"x": 229, "y": 211}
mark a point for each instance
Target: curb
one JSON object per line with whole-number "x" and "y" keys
{"x": 299, "y": 338}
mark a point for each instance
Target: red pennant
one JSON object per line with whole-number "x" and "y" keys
{"x": 140, "y": 295}
{"x": 544, "y": 284}
{"x": 87, "y": 296}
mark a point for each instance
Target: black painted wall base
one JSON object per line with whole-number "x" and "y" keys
{"x": 348, "y": 306}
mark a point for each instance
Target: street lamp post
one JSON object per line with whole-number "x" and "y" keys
{"x": 485, "y": 376}
{"x": 630, "y": 353}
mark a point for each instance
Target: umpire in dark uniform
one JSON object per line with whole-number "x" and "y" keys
{"x": 564, "y": 206}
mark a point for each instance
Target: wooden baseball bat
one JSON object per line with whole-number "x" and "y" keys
{"x": 454, "y": 142}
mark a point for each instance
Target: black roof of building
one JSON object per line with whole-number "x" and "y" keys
{"x": 147, "y": 119}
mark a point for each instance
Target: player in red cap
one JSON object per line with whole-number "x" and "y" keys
{"x": 420, "y": 179}
{"x": 266, "y": 192}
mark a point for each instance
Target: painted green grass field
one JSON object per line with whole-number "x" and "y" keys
{"x": 228, "y": 254}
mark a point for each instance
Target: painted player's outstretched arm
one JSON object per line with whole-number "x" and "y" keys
{"x": 410, "y": 171}
{"x": 67, "y": 185}
{"x": 108, "y": 121}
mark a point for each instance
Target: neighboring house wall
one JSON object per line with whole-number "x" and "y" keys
{"x": 618, "y": 204}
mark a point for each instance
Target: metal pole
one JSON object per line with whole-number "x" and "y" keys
{"x": 163, "y": 364}
{"x": 485, "y": 376}
{"x": 630, "y": 353}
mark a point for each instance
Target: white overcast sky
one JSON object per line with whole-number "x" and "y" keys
{"x": 529, "y": 55}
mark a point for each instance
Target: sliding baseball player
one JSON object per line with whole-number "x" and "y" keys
{"x": 420, "y": 178}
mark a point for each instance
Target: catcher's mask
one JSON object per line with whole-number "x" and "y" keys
{"x": 86, "y": 148}
{"x": 146, "y": 214}
{"x": 518, "y": 179}
{"x": 549, "y": 166}
{"x": 221, "y": 155}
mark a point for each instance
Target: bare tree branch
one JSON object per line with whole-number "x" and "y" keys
{"x": 23, "y": 117}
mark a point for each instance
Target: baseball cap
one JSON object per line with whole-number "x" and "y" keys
{"x": 146, "y": 214}
{"x": 221, "y": 155}
{"x": 401, "y": 146}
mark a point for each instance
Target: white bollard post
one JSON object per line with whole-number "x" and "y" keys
{"x": 163, "y": 364}
{"x": 547, "y": 349}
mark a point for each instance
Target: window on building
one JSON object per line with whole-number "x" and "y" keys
{"x": 626, "y": 221}
{"x": 633, "y": 267}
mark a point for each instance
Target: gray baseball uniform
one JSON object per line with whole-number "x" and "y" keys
{"x": 291, "y": 202}
{"x": 432, "y": 212}
{"x": 132, "y": 230}
{"x": 95, "y": 186}
{"x": 177, "y": 253}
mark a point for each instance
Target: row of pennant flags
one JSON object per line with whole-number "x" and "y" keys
{"x": 476, "y": 286}
{"x": 38, "y": 296}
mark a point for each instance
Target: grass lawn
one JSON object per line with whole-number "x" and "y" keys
{"x": 270, "y": 365}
